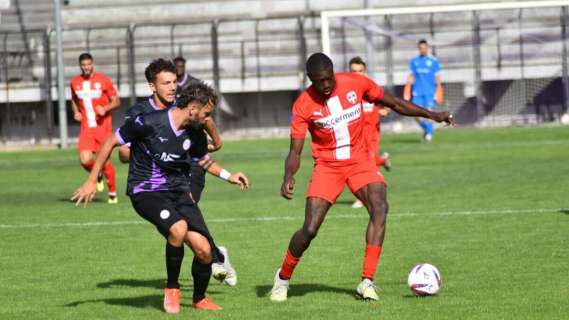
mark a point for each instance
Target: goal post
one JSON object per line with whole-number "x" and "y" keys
{"x": 502, "y": 61}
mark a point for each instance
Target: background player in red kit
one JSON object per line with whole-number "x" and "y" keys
{"x": 93, "y": 98}
{"x": 372, "y": 118}
{"x": 331, "y": 109}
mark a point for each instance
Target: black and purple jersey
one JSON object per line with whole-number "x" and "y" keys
{"x": 161, "y": 155}
{"x": 143, "y": 107}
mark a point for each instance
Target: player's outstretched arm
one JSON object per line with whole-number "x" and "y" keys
{"x": 87, "y": 191}
{"x": 212, "y": 131}
{"x": 292, "y": 163}
{"x": 407, "y": 108}
{"x": 215, "y": 169}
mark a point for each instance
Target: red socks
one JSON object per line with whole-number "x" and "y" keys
{"x": 371, "y": 259}
{"x": 288, "y": 266}
{"x": 110, "y": 176}
{"x": 89, "y": 165}
{"x": 379, "y": 161}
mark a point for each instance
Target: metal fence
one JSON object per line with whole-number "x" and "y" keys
{"x": 505, "y": 66}
{"x": 501, "y": 65}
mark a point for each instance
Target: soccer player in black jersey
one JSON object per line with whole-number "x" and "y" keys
{"x": 161, "y": 75}
{"x": 158, "y": 185}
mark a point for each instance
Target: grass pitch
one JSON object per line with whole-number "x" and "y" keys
{"x": 489, "y": 208}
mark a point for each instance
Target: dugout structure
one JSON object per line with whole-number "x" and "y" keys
{"x": 503, "y": 62}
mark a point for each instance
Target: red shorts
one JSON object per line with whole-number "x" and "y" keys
{"x": 328, "y": 179}
{"x": 92, "y": 139}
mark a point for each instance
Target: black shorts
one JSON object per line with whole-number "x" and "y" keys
{"x": 197, "y": 181}
{"x": 164, "y": 208}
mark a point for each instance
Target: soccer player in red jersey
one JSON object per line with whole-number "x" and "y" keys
{"x": 331, "y": 110}
{"x": 372, "y": 117}
{"x": 93, "y": 98}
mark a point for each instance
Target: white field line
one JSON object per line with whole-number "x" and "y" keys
{"x": 361, "y": 215}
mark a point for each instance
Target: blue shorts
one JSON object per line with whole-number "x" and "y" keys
{"x": 424, "y": 101}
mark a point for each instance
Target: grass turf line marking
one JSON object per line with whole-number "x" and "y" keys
{"x": 361, "y": 215}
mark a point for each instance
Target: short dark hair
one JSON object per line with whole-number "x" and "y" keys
{"x": 198, "y": 91}
{"x": 422, "y": 41}
{"x": 156, "y": 66}
{"x": 318, "y": 62}
{"x": 85, "y": 56}
{"x": 179, "y": 59}
{"x": 357, "y": 60}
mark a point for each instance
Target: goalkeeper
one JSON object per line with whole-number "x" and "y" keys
{"x": 423, "y": 86}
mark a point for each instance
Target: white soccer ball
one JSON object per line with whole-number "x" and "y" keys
{"x": 424, "y": 280}
{"x": 565, "y": 119}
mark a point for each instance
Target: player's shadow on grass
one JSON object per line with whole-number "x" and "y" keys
{"x": 186, "y": 285}
{"x": 298, "y": 290}
{"x": 67, "y": 199}
{"x": 148, "y": 301}
{"x": 410, "y": 140}
{"x": 566, "y": 211}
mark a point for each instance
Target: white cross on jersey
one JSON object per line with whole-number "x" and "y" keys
{"x": 87, "y": 95}
{"x": 339, "y": 119}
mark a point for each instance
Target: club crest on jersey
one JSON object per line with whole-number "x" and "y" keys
{"x": 429, "y": 63}
{"x": 98, "y": 85}
{"x": 187, "y": 143}
{"x": 352, "y": 97}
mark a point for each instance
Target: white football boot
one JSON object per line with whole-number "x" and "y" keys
{"x": 279, "y": 291}
{"x": 231, "y": 277}
{"x": 367, "y": 290}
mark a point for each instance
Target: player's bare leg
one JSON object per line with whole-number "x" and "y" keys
{"x": 374, "y": 198}
{"x": 110, "y": 176}
{"x": 315, "y": 212}
{"x": 87, "y": 162}
{"x": 174, "y": 258}
{"x": 201, "y": 270}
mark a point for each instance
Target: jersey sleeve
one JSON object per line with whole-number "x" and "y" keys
{"x": 436, "y": 67}
{"x": 299, "y": 122}
{"x": 73, "y": 94}
{"x": 130, "y": 113}
{"x": 110, "y": 88}
{"x": 372, "y": 91}
{"x": 198, "y": 150}
{"x": 132, "y": 130}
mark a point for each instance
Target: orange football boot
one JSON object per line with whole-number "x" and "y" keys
{"x": 206, "y": 304}
{"x": 172, "y": 301}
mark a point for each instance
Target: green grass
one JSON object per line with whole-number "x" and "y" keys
{"x": 485, "y": 206}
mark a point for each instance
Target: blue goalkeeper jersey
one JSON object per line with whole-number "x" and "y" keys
{"x": 424, "y": 69}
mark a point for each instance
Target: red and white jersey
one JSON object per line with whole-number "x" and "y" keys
{"x": 93, "y": 93}
{"x": 335, "y": 122}
{"x": 372, "y": 121}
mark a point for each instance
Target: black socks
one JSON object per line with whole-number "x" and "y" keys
{"x": 174, "y": 257}
{"x": 201, "y": 274}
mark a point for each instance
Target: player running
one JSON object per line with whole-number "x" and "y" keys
{"x": 372, "y": 117}
{"x": 161, "y": 77}
{"x": 93, "y": 97}
{"x": 159, "y": 186}
{"x": 425, "y": 79}
{"x": 331, "y": 110}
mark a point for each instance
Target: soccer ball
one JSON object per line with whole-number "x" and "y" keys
{"x": 424, "y": 280}
{"x": 565, "y": 119}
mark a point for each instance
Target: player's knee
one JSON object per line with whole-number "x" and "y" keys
{"x": 178, "y": 232}
{"x": 203, "y": 253}
{"x": 310, "y": 231}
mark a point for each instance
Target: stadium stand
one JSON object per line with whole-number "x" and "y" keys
{"x": 261, "y": 47}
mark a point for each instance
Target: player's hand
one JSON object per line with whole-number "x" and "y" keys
{"x": 287, "y": 188}
{"x": 100, "y": 111}
{"x": 86, "y": 193}
{"x": 77, "y": 116}
{"x": 445, "y": 117}
{"x": 211, "y": 147}
{"x": 240, "y": 179}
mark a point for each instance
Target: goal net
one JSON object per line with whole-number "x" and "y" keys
{"x": 503, "y": 63}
